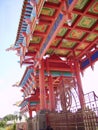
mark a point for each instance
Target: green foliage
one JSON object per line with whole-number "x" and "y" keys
{"x": 1, "y": 128}
{"x": 9, "y": 117}
{"x": 14, "y": 126}
{"x": 2, "y": 123}
{"x": 11, "y": 127}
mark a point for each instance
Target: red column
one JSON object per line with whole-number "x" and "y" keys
{"x": 42, "y": 86}
{"x": 79, "y": 83}
{"x": 30, "y": 111}
{"x": 51, "y": 95}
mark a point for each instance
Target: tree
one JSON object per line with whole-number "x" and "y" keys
{"x": 9, "y": 117}
{"x": 2, "y": 123}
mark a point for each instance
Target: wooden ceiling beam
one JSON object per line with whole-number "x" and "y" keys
{"x": 40, "y": 34}
{"x": 87, "y": 30}
{"x": 75, "y": 27}
{"x": 69, "y": 39}
{"x": 44, "y": 21}
{"x": 62, "y": 48}
{"x": 63, "y": 69}
{"x": 81, "y": 28}
{"x": 47, "y": 18}
{"x": 80, "y": 17}
{"x": 55, "y": 61}
{"x": 84, "y": 40}
{"x": 28, "y": 62}
{"x": 30, "y": 54}
{"x": 29, "y": 59}
{"x": 59, "y": 26}
{"x": 34, "y": 45}
{"x": 51, "y": 5}
{"x": 86, "y": 14}
{"x": 85, "y": 50}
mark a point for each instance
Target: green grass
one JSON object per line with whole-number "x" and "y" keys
{"x": 1, "y": 128}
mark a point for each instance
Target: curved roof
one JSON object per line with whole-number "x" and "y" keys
{"x": 69, "y": 31}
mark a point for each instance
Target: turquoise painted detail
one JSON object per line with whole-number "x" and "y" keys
{"x": 58, "y": 73}
{"x": 33, "y": 103}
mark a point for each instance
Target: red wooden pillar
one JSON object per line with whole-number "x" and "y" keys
{"x": 30, "y": 111}
{"x": 79, "y": 84}
{"x": 42, "y": 86}
{"x": 51, "y": 95}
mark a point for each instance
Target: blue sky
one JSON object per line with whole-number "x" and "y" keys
{"x": 10, "y": 71}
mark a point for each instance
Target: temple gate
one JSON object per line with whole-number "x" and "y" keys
{"x": 58, "y": 40}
